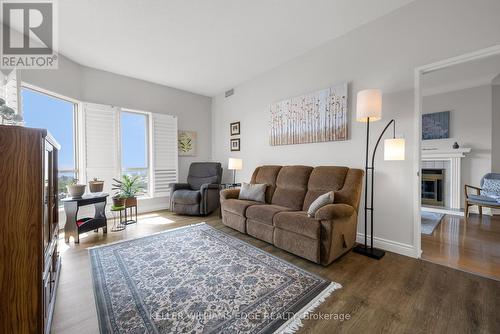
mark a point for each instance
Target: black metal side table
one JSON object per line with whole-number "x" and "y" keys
{"x": 227, "y": 186}
{"x": 74, "y": 226}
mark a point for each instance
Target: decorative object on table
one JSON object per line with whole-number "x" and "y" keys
{"x": 317, "y": 117}
{"x": 76, "y": 190}
{"x": 29, "y": 230}
{"x": 128, "y": 188}
{"x": 487, "y": 195}
{"x": 159, "y": 287}
{"x": 234, "y": 164}
{"x": 436, "y": 125}
{"x": 429, "y": 221}
{"x": 234, "y": 128}
{"x": 235, "y": 144}
{"x": 456, "y": 146}
{"x": 119, "y": 218}
{"x": 369, "y": 109}
{"x": 75, "y": 226}
{"x": 96, "y": 185}
{"x": 200, "y": 194}
{"x": 186, "y": 143}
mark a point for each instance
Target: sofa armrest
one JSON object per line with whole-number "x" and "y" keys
{"x": 207, "y": 186}
{"x": 177, "y": 186}
{"x": 334, "y": 211}
{"x": 467, "y": 187}
{"x": 229, "y": 194}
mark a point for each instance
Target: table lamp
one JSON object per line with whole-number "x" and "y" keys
{"x": 369, "y": 109}
{"x": 234, "y": 164}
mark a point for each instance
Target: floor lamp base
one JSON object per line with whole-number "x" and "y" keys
{"x": 374, "y": 253}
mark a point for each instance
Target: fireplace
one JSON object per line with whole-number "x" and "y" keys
{"x": 433, "y": 187}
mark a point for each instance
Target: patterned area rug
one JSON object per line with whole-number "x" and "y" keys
{"x": 200, "y": 280}
{"x": 429, "y": 221}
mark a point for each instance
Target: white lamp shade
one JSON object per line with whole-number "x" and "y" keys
{"x": 369, "y": 105}
{"x": 394, "y": 149}
{"x": 235, "y": 164}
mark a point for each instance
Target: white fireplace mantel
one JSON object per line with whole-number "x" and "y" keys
{"x": 454, "y": 156}
{"x": 438, "y": 154}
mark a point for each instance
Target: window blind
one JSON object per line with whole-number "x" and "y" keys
{"x": 165, "y": 164}
{"x": 102, "y": 155}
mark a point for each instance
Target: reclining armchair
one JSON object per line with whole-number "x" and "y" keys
{"x": 200, "y": 195}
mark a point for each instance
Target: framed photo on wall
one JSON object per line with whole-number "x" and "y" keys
{"x": 234, "y": 128}
{"x": 235, "y": 144}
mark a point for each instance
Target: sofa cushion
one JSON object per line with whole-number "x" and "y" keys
{"x": 268, "y": 175}
{"x": 298, "y": 222}
{"x": 238, "y": 206}
{"x": 253, "y": 192}
{"x": 291, "y": 186}
{"x": 264, "y": 213}
{"x": 320, "y": 202}
{"x": 322, "y": 180}
{"x": 184, "y": 196}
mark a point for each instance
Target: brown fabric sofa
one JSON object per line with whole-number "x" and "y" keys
{"x": 282, "y": 220}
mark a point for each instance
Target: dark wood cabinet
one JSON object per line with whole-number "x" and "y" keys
{"x": 29, "y": 258}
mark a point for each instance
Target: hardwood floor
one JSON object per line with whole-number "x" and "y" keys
{"x": 472, "y": 245}
{"x": 394, "y": 295}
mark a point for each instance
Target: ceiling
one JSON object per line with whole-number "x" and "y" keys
{"x": 465, "y": 75}
{"x": 200, "y": 46}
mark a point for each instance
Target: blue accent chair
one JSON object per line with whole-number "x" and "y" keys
{"x": 478, "y": 199}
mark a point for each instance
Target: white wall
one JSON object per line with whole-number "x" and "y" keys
{"x": 470, "y": 126}
{"x": 495, "y": 125}
{"x": 91, "y": 85}
{"x": 381, "y": 54}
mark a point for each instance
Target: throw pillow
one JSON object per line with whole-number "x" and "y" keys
{"x": 253, "y": 192}
{"x": 491, "y": 188}
{"x": 320, "y": 202}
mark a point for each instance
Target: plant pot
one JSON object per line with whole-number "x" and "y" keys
{"x": 118, "y": 201}
{"x": 96, "y": 186}
{"x": 76, "y": 190}
{"x": 131, "y": 201}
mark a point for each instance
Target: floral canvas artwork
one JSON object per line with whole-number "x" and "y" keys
{"x": 317, "y": 117}
{"x": 187, "y": 143}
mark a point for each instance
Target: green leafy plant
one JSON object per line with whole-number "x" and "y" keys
{"x": 73, "y": 182}
{"x": 128, "y": 186}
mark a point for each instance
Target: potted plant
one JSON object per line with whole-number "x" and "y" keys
{"x": 96, "y": 185}
{"x": 118, "y": 200}
{"x": 75, "y": 189}
{"x": 128, "y": 188}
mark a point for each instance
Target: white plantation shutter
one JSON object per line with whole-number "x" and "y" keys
{"x": 102, "y": 155}
{"x": 164, "y": 136}
{"x": 10, "y": 91}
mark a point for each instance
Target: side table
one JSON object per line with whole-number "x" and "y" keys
{"x": 74, "y": 226}
{"x": 119, "y": 218}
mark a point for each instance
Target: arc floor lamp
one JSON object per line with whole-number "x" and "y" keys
{"x": 369, "y": 109}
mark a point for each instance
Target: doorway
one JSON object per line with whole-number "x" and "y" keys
{"x": 457, "y": 108}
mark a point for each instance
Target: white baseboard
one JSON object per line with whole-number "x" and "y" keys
{"x": 389, "y": 245}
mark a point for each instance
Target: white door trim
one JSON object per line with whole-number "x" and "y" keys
{"x": 419, "y": 71}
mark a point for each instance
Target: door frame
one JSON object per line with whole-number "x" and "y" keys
{"x": 419, "y": 71}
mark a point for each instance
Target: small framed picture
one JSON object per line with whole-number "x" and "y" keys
{"x": 235, "y": 144}
{"x": 235, "y": 128}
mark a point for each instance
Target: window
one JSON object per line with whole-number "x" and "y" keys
{"x": 58, "y": 116}
{"x": 134, "y": 146}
